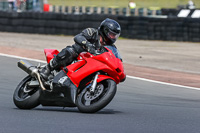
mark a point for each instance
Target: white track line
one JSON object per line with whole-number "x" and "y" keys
{"x": 132, "y": 77}
{"x": 19, "y": 57}
{"x": 164, "y": 83}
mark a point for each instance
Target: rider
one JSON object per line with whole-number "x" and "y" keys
{"x": 90, "y": 40}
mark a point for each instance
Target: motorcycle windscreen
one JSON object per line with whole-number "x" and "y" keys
{"x": 114, "y": 51}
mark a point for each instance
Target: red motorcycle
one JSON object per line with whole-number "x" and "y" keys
{"x": 89, "y": 83}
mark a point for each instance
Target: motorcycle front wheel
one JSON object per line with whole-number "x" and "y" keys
{"x": 24, "y": 99}
{"x": 103, "y": 94}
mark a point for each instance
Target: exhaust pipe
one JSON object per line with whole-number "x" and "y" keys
{"x": 27, "y": 67}
{"x": 31, "y": 70}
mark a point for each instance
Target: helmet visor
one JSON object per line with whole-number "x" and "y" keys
{"x": 113, "y": 35}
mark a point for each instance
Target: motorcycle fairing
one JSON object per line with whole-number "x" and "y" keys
{"x": 106, "y": 62}
{"x": 64, "y": 92}
{"x": 50, "y": 53}
{"x": 81, "y": 73}
{"x": 61, "y": 83}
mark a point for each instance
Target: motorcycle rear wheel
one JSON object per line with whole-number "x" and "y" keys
{"x": 26, "y": 100}
{"x": 104, "y": 93}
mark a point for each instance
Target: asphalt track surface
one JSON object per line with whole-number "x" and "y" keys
{"x": 138, "y": 107}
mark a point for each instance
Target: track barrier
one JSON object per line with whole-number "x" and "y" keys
{"x": 136, "y": 27}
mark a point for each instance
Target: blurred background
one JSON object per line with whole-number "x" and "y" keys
{"x": 124, "y": 3}
{"x": 174, "y": 20}
{"x": 34, "y": 4}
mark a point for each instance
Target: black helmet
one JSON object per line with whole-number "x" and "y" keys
{"x": 109, "y": 30}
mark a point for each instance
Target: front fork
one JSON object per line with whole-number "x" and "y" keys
{"x": 94, "y": 83}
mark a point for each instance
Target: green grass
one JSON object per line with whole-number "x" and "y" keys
{"x": 124, "y": 3}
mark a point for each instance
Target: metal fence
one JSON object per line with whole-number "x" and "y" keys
{"x": 104, "y": 10}
{"x": 37, "y": 5}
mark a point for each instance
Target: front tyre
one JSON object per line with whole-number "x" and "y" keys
{"x": 91, "y": 103}
{"x": 26, "y": 99}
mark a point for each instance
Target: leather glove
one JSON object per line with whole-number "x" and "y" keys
{"x": 90, "y": 48}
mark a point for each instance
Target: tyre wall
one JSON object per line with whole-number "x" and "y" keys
{"x": 145, "y": 28}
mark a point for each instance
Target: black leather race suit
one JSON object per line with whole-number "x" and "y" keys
{"x": 70, "y": 53}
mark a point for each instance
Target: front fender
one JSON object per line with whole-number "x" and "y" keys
{"x": 103, "y": 77}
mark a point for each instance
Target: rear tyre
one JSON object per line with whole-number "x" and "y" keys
{"x": 23, "y": 99}
{"x": 91, "y": 103}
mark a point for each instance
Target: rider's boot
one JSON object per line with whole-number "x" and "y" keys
{"x": 46, "y": 71}
{"x": 64, "y": 58}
